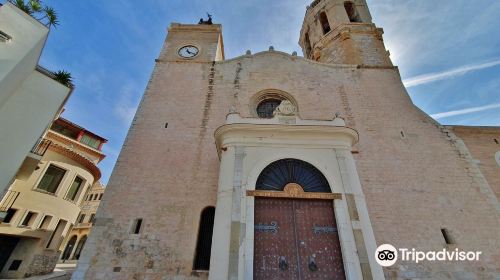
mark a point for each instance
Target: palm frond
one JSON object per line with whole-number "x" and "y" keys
{"x": 51, "y": 16}
{"x": 64, "y": 78}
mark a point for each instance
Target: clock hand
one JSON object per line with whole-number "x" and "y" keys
{"x": 187, "y": 50}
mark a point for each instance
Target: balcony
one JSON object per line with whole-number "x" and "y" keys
{"x": 41, "y": 147}
{"x": 8, "y": 200}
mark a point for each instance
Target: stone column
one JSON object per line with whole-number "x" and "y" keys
{"x": 362, "y": 227}
{"x": 219, "y": 258}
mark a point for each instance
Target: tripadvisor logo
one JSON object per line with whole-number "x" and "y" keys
{"x": 387, "y": 255}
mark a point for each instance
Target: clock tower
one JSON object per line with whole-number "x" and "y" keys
{"x": 193, "y": 43}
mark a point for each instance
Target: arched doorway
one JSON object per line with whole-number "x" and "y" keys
{"x": 69, "y": 248}
{"x": 295, "y": 232}
{"x": 79, "y": 247}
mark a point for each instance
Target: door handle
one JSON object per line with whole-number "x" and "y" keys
{"x": 312, "y": 263}
{"x": 283, "y": 265}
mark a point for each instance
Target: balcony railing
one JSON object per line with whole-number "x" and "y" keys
{"x": 41, "y": 147}
{"x": 8, "y": 200}
{"x": 83, "y": 225}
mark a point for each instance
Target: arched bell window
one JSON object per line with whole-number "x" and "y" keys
{"x": 282, "y": 172}
{"x": 323, "y": 20}
{"x": 352, "y": 12}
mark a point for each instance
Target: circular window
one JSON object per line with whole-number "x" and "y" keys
{"x": 266, "y": 108}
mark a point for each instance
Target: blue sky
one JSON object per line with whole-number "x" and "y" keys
{"x": 448, "y": 52}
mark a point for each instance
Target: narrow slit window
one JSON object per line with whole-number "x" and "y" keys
{"x": 56, "y": 237}
{"x": 74, "y": 189}
{"x": 323, "y": 20}
{"x": 136, "y": 227}
{"x": 496, "y": 140}
{"x": 352, "y": 13}
{"x": 28, "y": 219}
{"x": 447, "y": 236}
{"x": 45, "y": 222}
{"x": 81, "y": 218}
{"x": 204, "y": 243}
{"x": 10, "y": 214}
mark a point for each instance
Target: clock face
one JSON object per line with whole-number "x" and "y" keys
{"x": 188, "y": 51}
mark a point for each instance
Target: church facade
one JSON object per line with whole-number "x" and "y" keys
{"x": 275, "y": 166}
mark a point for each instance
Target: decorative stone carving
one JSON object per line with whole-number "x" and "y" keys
{"x": 286, "y": 108}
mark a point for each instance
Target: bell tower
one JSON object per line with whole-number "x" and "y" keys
{"x": 339, "y": 31}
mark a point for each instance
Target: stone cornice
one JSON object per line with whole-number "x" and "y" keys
{"x": 175, "y": 27}
{"x": 276, "y": 135}
{"x": 66, "y": 140}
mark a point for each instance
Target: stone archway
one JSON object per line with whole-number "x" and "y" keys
{"x": 69, "y": 248}
{"x": 295, "y": 231}
{"x": 79, "y": 247}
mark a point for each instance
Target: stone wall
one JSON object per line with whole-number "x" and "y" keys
{"x": 415, "y": 178}
{"x": 483, "y": 143}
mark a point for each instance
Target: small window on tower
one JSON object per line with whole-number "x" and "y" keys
{"x": 352, "y": 13}
{"x": 136, "y": 226}
{"x": 323, "y": 20}
{"x": 266, "y": 108}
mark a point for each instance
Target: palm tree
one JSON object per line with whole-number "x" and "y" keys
{"x": 34, "y": 8}
{"x": 64, "y": 78}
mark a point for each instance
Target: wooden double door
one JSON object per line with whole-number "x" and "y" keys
{"x": 296, "y": 239}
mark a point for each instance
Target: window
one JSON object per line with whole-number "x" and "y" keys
{"x": 447, "y": 236}
{"x": 56, "y": 237}
{"x": 45, "y": 222}
{"x": 75, "y": 187}
{"x": 64, "y": 129}
{"x": 266, "y": 108}
{"x": 51, "y": 179}
{"x": 281, "y": 172}
{"x": 89, "y": 141}
{"x": 204, "y": 243}
{"x": 10, "y": 214}
{"x": 136, "y": 226}
{"x": 100, "y": 196}
{"x": 15, "y": 265}
{"x": 92, "y": 218}
{"x": 352, "y": 13}
{"x": 28, "y": 219}
{"x": 81, "y": 218}
{"x": 496, "y": 140}
{"x": 323, "y": 20}
{"x": 4, "y": 37}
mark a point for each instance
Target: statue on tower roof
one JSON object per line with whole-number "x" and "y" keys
{"x": 208, "y": 21}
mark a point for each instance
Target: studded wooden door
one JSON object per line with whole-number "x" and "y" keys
{"x": 296, "y": 239}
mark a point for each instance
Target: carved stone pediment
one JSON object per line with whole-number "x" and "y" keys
{"x": 286, "y": 108}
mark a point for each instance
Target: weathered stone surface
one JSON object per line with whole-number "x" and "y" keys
{"x": 416, "y": 177}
